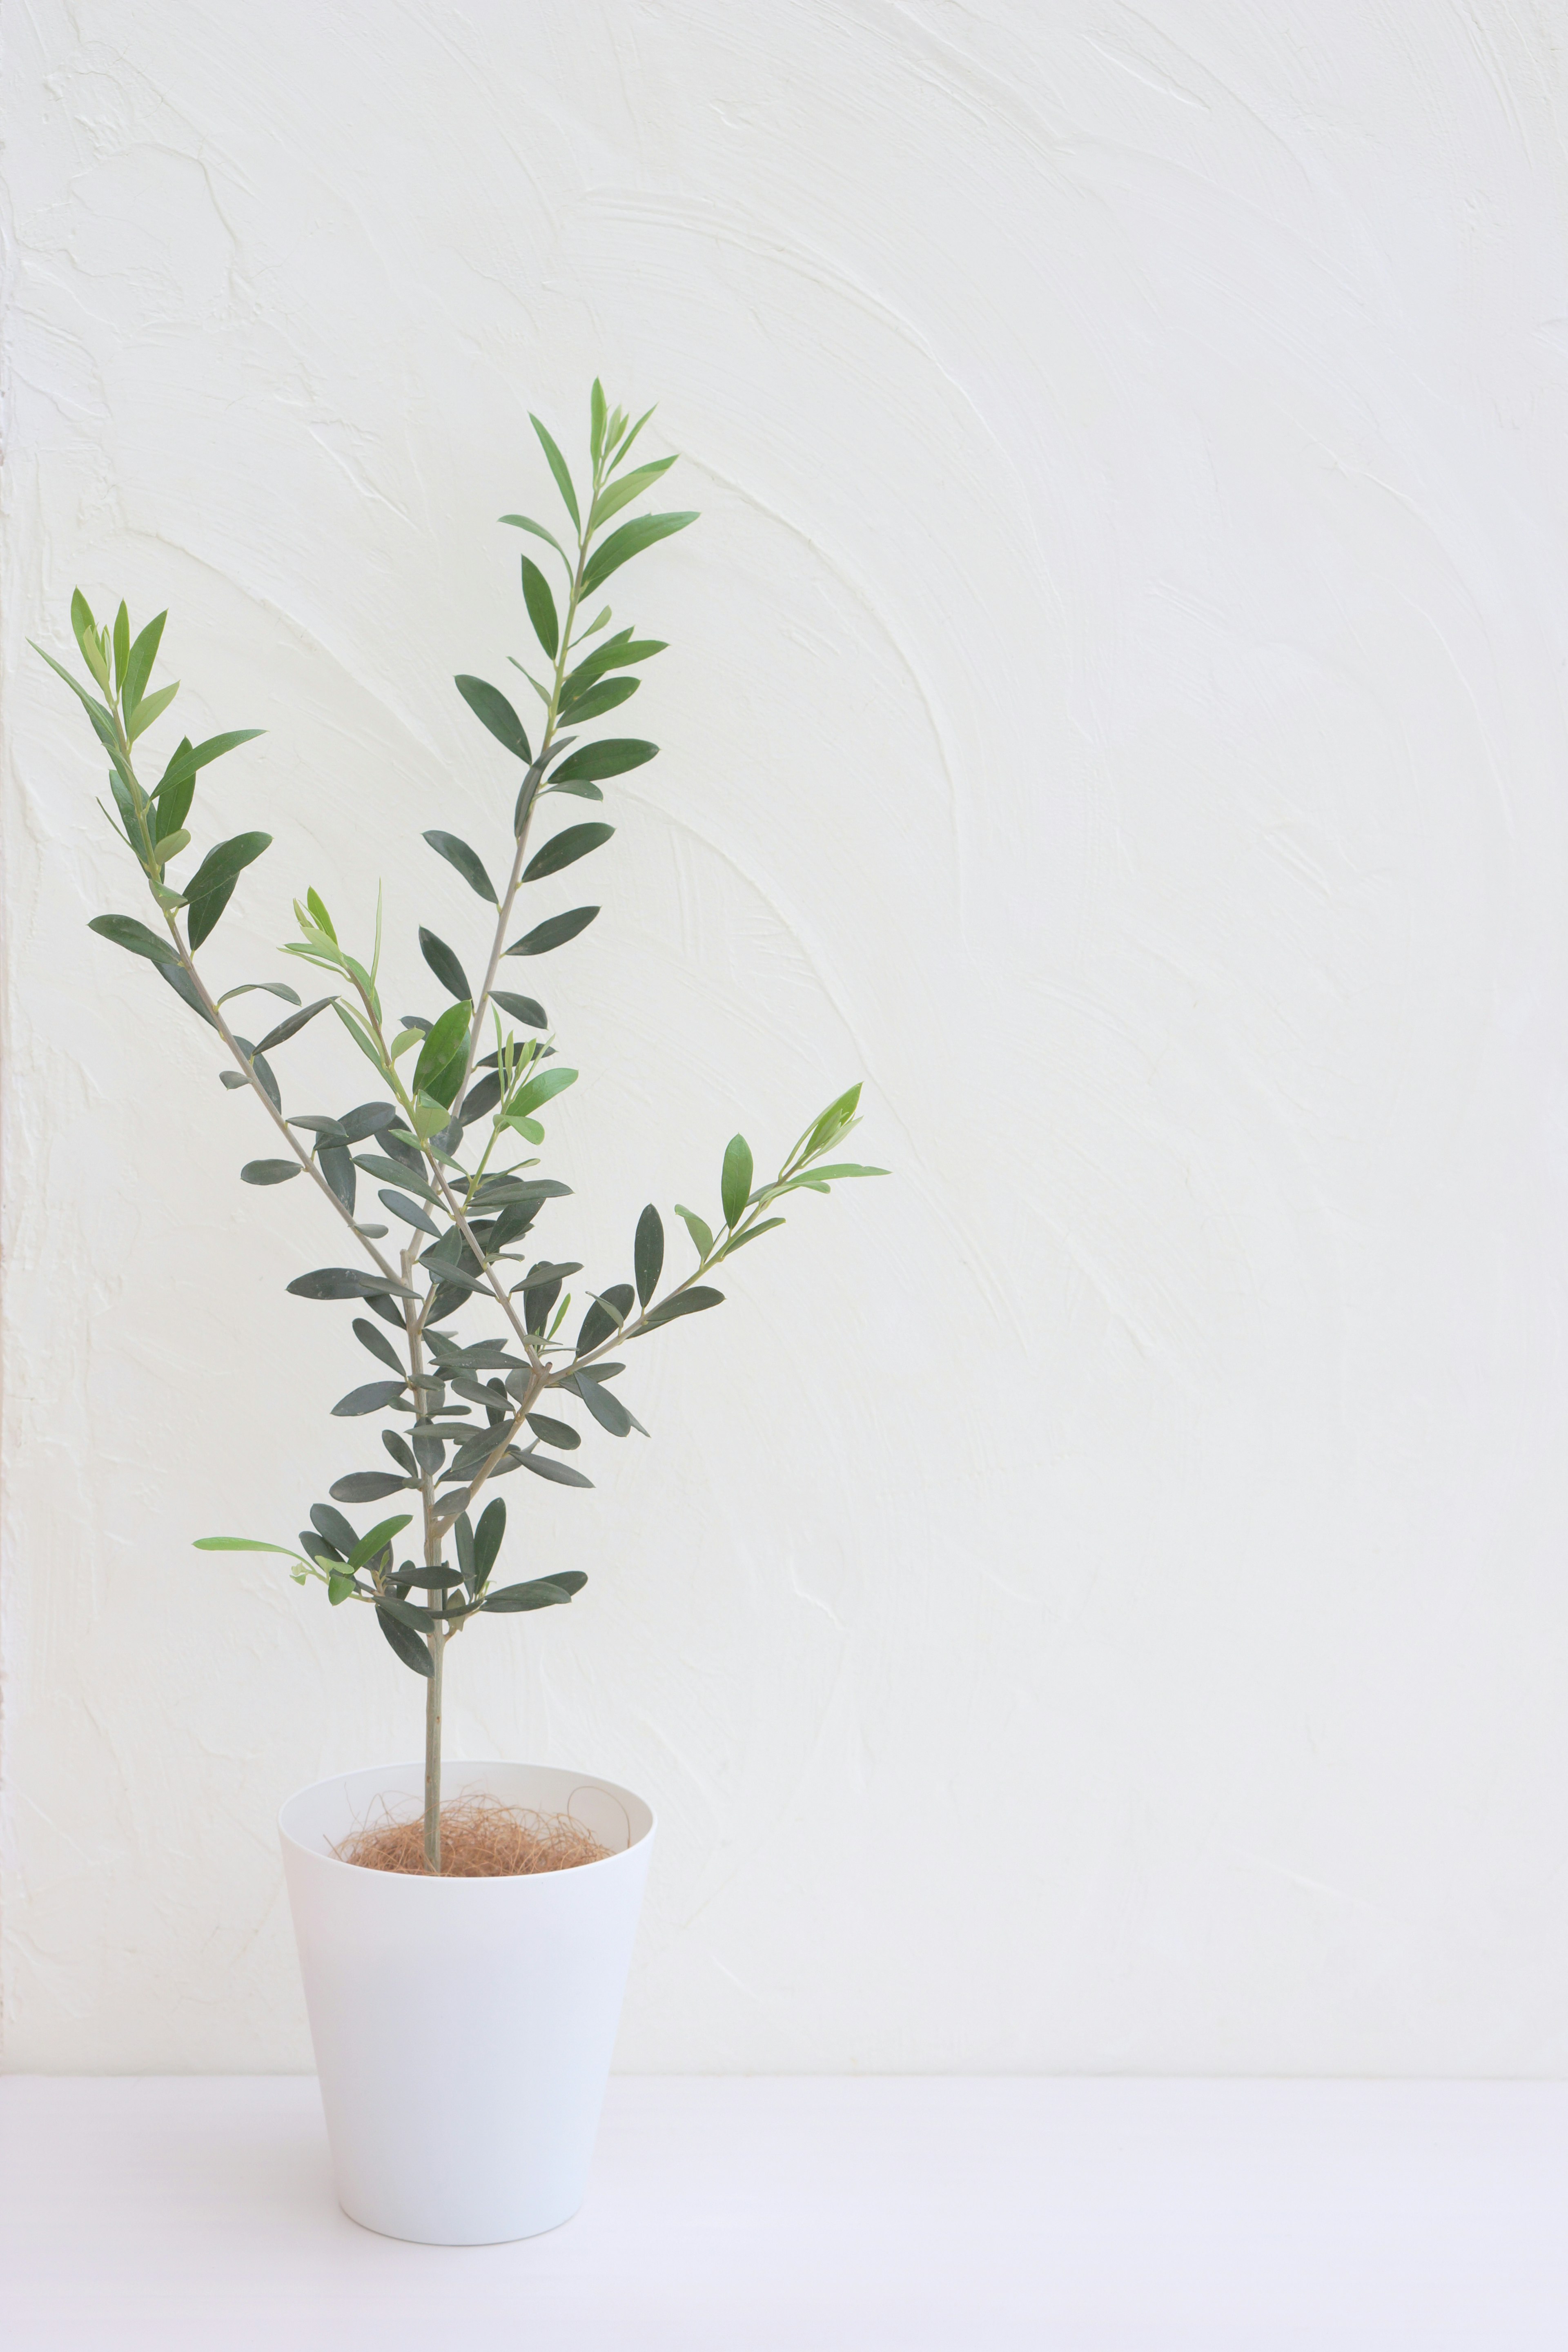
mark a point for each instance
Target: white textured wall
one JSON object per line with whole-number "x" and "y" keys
{"x": 1098, "y": 1600}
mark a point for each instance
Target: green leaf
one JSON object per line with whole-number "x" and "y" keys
{"x": 565, "y": 849}
{"x": 121, "y": 642}
{"x": 685, "y": 1302}
{"x": 458, "y": 854}
{"x": 127, "y": 932}
{"x": 338, "y": 1168}
{"x": 445, "y": 967}
{"x": 597, "y": 699}
{"x": 340, "y": 1585}
{"x": 541, "y": 1088}
{"x": 367, "y": 1486}
{"x": 488, "y": 1540}
{"x": 557, "y": 464}
{"x": 605, "y": 1316}
{"x": 845, "y": 1168}
{"x": 631, "y": 436}
{"x": 211, "y": 887}
{"x": 554, "y": 932}
{"x": 701, "y": 1234}
{"x": 272, "y": 987}
{"x": 169, "y": 846}
{"x": 334, "y": 1528}
{"x": 555, "y": 1433}
{"x": 83, "y": 625}
{"x": 647, "y": 1253}
{"x": 833, "y": 1121}
{"x": 750, "y": 1234}
{"x": 367, "y": 1547}
{"x": 735, "y": 1183}
{"x": 400, "y": 1205}
{"x": 616, "y": 495}
{"x": 596, "y": 421}
{"x": 294, "y": 1024}
{"x": 630, "y": 540}
{"x": 185, "y": 988}
{"x": 540, "y": 606}
{"x": 102, "y": 723}
{"x": 138, "y": 668}
{"x": 188, "y": 759}
{"x": 239, "y": 1543}
{"x": 607, "y": 1410}
{"x": 612, "y": 757}
{"x": 404, "y": 1641}
{"x": 269, "y": 1171}
{"x": 491, "y": 708}
{"x": 559, "y": 1473}
{"x": 380, "y": 1346}
{"x": 526, "y": 1009}
{"x": 375, "y": 1397}
{"x": 543, "y": 1593}
{"x": 526, "y": 522}
{"x": 143, "y": 715}
{"x": 448, "y": 1042}
{"x": 374, "y": 1165}
{"x": 345, "y": 1282}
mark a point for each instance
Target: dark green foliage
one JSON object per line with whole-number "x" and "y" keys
{"x": 445, "y": 966}
{"x": 293, "y": 1024}
{"x": 367, "y": 1486}
{"x": 269, "y": 1171}
{"x": 382, "y": 1350}
{"x": 334, "y": 1528}
{"x": 595, "y": 761}
{"x": 540, "y": 606}
{"x": 647, "y": 1253}
{"x": 488, "y": 1538}
{"x": 490, "y": 704}
{"x": 544, "y": 1593}
{"x": 127, "y": 932}
{"x": 458, "y": 855}
{"x": 342, "y": 1282}
{"x": 413, "y": 1653}
{"x": 555, "y": 1433}
{"x": 375, "y": 1397}
{"x": 605, "y": 1316}
{"x": 681, "y": 1302}
{"x": 211, "y": 887}
{"x": 554, "y": 932}
{"x": 563, "y": 849}
{"x": 526, "y": 1009}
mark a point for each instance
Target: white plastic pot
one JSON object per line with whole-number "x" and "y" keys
{"x": 463, "y": 2027}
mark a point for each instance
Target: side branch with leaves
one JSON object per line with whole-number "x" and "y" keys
{"x": 460, "y": 1091}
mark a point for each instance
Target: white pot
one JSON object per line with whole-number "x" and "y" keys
{"x": 463, "y": 2027}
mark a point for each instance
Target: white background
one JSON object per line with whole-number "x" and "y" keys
{"x": 1096, "y": 1600}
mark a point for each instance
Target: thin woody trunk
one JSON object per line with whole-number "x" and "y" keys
{"x": 433, "y": 1753}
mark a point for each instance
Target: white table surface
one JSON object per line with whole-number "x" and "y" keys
{"x": 744, "y": 2215}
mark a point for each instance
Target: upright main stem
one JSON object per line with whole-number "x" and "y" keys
{"x": 433, "y": 1753}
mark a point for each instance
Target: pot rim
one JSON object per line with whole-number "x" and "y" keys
{"x": 318, "y": 1855}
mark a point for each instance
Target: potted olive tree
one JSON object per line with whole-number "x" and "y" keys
{"x": 465, "y": 1929}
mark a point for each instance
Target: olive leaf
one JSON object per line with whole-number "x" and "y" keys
{"x": 466, "y": 862}
{"x": 647, "y": 1253}
{"x": 445, "y": 965}
{"x": 562, "y": 849}
{"x": 554, "y": 932}
{"x": 491, "y": 708}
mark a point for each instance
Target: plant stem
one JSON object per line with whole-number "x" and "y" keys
{"x": 433, "y": 1753}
